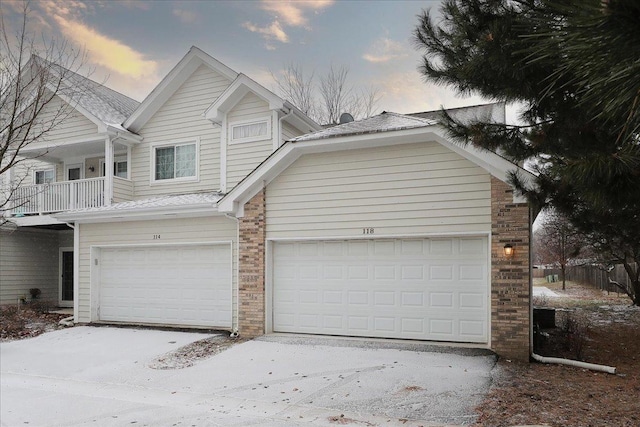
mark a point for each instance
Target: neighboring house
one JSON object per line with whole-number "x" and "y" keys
{"x": 240, "y": 213}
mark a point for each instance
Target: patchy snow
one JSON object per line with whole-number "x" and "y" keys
{"x": 188, "y": 355}
{"x": 102, "y": 376}
{"x": 543, "y": 291}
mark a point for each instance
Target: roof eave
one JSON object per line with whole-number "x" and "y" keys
{"x": 300, "y": 120}
{"x": 182, "y": 211}
{"x": 494, "y": 164}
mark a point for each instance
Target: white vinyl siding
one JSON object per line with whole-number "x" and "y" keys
{"x": 179, "y": 119}
{"x": 69, "y": 124}
{"x": 243, "y": 157}
{"x": 421, "y": 188}
{"x": 29, "y": 259}
{"x": 122, "y": 190}
{"x": 289, "y": 132}
{"x": 171, "y": 231}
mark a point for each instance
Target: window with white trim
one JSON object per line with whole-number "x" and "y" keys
{"x": 119, "y": 167}
{"x": 177, "y": 161}
{"x": 248, "y": 131}
{"x": 45, "y": 176}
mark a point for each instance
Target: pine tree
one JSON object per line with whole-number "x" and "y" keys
{"x": 575, "y": 66}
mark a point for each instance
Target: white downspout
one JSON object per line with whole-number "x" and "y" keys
{"x": 234, "y": 332}
{"x": 577, "y": 364}
{"x": 108, "y": 171}
{"x": 289, "y": 114}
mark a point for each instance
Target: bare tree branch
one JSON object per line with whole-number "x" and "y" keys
{"x": 34, "y": 77}
{"x": 326, "y": 99}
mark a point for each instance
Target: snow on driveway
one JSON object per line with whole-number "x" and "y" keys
{"x": 101, "y": 376}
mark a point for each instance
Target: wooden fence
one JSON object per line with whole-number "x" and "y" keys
{"x": 593, "y": 276}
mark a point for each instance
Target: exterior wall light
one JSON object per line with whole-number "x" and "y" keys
{"x": 508, "y": 250}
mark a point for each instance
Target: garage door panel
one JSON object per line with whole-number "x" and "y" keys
{"x": 434, "y": 289}
{"x": 179, "y": 285}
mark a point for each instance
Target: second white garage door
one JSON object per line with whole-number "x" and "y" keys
{"x": 428, "y": 289}
{"x": 186, "y": 285}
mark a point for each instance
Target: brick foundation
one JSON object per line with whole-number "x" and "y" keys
{"x": 510, "y": 309}
{"x": 251, "y": 265}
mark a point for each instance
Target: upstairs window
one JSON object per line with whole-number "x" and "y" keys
{"x": 45, "y": 176}
{"x": 247, "y": 131}
{"x": 177, "y": 162}
{"x": 119, "y": 167}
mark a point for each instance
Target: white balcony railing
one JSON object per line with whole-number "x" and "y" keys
{"x": 58, "y": 196}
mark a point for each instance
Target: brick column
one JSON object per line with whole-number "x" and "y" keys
{"x": 251, "y": 269}
{"x": 510, "y": 309}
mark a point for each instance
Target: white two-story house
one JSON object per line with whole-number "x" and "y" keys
{"x": 217, "y": 204}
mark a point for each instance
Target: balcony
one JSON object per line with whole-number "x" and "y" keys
{"x": 44, "y": 199}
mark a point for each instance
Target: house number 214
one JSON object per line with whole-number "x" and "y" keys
{"x": 367, "y": 231}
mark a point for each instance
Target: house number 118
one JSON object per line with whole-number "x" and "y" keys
{"x": 367, "y": 231}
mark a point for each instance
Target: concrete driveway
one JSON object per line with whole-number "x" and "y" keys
{"x": 102, "y": 377}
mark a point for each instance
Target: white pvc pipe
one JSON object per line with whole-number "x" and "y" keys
{"x": 577, "y": 364}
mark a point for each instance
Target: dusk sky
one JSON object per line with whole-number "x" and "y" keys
{"x": 133, "y": 44}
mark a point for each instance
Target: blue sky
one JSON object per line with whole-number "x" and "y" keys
{"x": 133, "y": 44}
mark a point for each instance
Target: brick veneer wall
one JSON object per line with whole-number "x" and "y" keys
{"x": 510, "y": 308}
{"x": 251, "y": 265}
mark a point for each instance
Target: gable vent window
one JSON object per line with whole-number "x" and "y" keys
{"x": 175, "y": 162}
{"x": 250, "y": 131}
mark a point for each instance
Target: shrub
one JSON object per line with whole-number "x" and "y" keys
{"x": 11, "y": 321}
{"x": 575, "y": 329}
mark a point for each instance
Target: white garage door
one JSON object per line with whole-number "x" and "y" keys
{"x": 174, "y": 285}
{"x": 428, "y": 289}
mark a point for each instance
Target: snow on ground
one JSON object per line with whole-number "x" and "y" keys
{"x": 102, "y": 376}
{"x": 543, "y": 291}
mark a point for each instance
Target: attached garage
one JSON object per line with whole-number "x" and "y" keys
{"x": 414, "y": 288}
{"x": 188, "y": 285}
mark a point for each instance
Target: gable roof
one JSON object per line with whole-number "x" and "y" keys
{"x": 386, "y": 129}
{"x": 243, "y": 85}
{"x": 237, "y": 90}
{"x": 105, "y": 107}
{"x": 172, "y": 81}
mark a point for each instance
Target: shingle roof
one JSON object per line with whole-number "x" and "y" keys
{"x": 385, "y": 122}
{"x": 107, "y": 105}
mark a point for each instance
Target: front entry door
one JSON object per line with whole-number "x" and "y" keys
{"x": 66, "y": 278}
